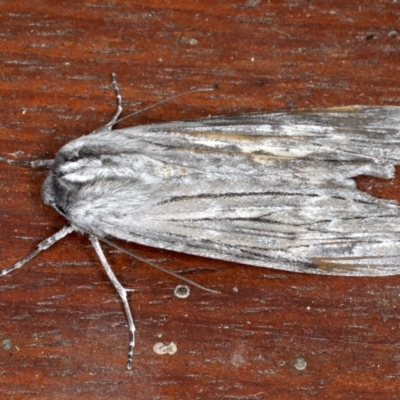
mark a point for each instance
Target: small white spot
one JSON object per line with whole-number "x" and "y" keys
{"x": 182, "y": 291}
{"x": 7, "y": 344}
{"x": 235, "y": 289}
{"x": 188, "y": 40}
{"x": 300, "y": 364}
{"x": 237, "y": 360}
{"x": 161, "y": 348}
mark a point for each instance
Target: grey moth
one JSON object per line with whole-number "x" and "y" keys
{"x": 270, "y": 189}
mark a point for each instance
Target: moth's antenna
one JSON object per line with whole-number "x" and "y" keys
{"x": 169, "y": 272}
{"x": 115, "y": 119}
{"x": 31, "y": 164}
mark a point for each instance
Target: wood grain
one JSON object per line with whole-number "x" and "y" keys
{"x": 269, "y": 334}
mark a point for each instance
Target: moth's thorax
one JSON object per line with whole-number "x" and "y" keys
{"x": 94, "y": 171}
{"x": 76, "y": 156}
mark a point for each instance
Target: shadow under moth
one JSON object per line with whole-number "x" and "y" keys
{"x": 272, "y": 190}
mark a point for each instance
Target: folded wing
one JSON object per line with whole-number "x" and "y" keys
{"x": 271, "y": 190}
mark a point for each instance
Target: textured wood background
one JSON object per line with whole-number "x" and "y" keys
{"x": 270, "y": 334}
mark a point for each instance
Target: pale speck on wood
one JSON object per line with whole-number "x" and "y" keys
{"x": 182, "y": 291}
{"x": 161, "y": 348}
{"x": 6, "y": 344}
{"x": 300, "y": 364}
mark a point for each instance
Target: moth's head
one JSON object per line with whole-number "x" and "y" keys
{"x": 56, "y": 190}
{"x": 52, "y": 191}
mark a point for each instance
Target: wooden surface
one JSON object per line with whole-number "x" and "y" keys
{"x": 269, "y": 334}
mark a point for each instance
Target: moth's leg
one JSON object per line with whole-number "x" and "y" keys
{"x": 122, "y": 294}
{"x": 119, "y": 102}
{"x": 41, "y": 246}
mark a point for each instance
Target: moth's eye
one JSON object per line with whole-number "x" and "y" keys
{"x": 73, "y": 157}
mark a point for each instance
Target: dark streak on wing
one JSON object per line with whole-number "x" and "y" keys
{"x": 232, "y": 195}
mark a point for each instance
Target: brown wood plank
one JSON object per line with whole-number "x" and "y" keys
{"x": 62, "y": 327}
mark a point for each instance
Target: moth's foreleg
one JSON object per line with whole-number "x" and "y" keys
{"x": 122, "y": 294}
{"x": 45, "y": 244}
